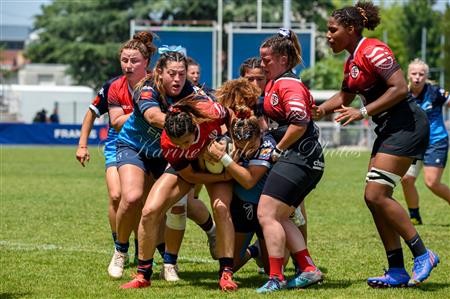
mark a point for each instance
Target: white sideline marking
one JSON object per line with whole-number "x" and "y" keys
{"x": 43, "y": 247}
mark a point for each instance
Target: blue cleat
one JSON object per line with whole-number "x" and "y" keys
{"x": 423, "y": 265}
{"x": 393, "y": 278}
{"x": 305, "y": 279}
{"x": 272, "y": 285}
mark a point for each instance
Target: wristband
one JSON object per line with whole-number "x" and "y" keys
{"x": 82, "y": 146}
{"x": 226, "y": 160}
{"x": 364, "y": 113}
{"x": 277, "y": 152}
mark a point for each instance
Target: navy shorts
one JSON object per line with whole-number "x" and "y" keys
{"x": 128, "y": 155}
{"x": 244, "y": 216}
{"x": 436, "y": 154}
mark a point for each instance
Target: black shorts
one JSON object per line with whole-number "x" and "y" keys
{"x": 244, "y": 215}
{"x": 410, "y": 141}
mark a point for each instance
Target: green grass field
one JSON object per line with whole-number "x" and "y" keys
{"x": 55, "y": 239}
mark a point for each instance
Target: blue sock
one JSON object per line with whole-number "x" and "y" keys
{"x": 170, "y": 258}
{"x": 122, "y": 247}
{"x": 414, "y": 213}
{"x": 114, "y": 236}
{"x": 254, "y": 251}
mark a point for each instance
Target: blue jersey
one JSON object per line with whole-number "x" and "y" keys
{"x": 262, "y": 157}
{"x": 431, "y": 100}
{"x": 137, "y": 132}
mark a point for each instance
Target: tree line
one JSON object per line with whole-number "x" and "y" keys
{"x": 86, "y": 35}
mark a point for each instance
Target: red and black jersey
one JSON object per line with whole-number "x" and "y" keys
{"x": 120, "y": 95}
{"x": 368, "y": 68}
{"x": 288, "y": 101}
{"x": 179, "y": 158}
{"x": 100, "y": 103}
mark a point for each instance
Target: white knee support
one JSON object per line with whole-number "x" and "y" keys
{"x": 414, "y": 169}
{"x": 382, "y": 177}
{"x": 177, "y": 221}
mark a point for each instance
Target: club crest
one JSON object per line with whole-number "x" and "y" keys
{"x": 274, "y": 99}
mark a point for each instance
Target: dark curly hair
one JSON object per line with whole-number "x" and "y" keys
{"x": 362, "y": 15}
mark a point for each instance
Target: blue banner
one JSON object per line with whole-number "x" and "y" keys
{"x": 29, "y": 134}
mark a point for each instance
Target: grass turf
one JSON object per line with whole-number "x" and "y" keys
{"x": 55, "y": 240}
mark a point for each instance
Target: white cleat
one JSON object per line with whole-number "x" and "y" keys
{"x": 118, "y": 261}
{"x": 169, "y": 272}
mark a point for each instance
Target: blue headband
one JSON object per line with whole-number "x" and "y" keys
{"x": 165, "y": 48}
{"x": 284, "y": 32}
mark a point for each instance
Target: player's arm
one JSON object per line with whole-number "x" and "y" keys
{"x": 194, "y": 177}
{"x": 246, "y": 177}
{"x": 395, "y": 93}
{"x": 155, "y": 117}
{"x": 82, "y": 154}
{"x": 117, "y": 117}
{"x": 338, "y": 100}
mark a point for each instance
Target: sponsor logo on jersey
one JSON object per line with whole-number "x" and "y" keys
{"x": 354, "y": 72}
{"x": 265, "y": 154}
{"x": 274, "y": 99}
{"x": 379, "y": 57}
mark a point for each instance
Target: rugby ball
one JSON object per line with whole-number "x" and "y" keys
{"x": 217, "y": 168}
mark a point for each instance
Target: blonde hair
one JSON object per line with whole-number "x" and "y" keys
{"x": 421, "y": 63}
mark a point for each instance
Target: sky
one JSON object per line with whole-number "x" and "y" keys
{"x": 21, "y": 12}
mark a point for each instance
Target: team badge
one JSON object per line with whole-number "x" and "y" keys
{"x": 274, "y": 99}
{"x": 265, "y": 154}
{"x": 354, "y": 72}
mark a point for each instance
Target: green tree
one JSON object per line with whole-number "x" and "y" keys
{"x": 86, "y": 35}
{"x": 325, "y": 74}
{"x": 418, "y": 14}
{"x": 445, "y": 61}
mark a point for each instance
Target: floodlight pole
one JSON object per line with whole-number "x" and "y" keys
{"x": 287, "y": 14}
{"x": 219, "y": 42}
{"x": 259, "y": 14}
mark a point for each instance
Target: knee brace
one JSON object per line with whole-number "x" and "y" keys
{"x": 177, "y": 221}
{"x": 382, "y": 177}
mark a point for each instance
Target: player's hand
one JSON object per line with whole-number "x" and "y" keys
{"x": 347, "y": 115}
{"x": 316, "y": 112}
{"x": 216, "y": 150}
{"x": 83, "y": 155}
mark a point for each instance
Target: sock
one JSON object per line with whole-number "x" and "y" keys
{"x": 253, "y": 250}
{"x": 145, "y": 267}
{"x": 395, "y": 258}
{"x": 161, "y": 248}
{"x": 304, "y": 260}
{"x": 226, "y": 263}
{"x": 416, "y": 246}
{"x": 414, "y": 213}
{"x": 276, "y": 267}
{"x": 122, "y": 247}
{"x": 114, "y": 236}
{"x": 170, "y": 258}
{"x": 296, "y": 266}
{"x": 208, "y": 225}
{"x": 136, "y": 247}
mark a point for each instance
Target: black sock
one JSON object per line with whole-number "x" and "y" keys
{"x": 414, "y": 213}
{"x": 208, "y": 224}
{"x": 253, "y": 250}
{"x": 416, "y": 246}
{"x": 226, "y": 263}
{"x": 136, "y": 247}
{"x": 145, "y": 267}
{"x": 161, "y": 248}
{"x": 395, "y": 258}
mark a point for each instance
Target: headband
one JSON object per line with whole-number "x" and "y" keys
{"x": 165, "y": 49}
